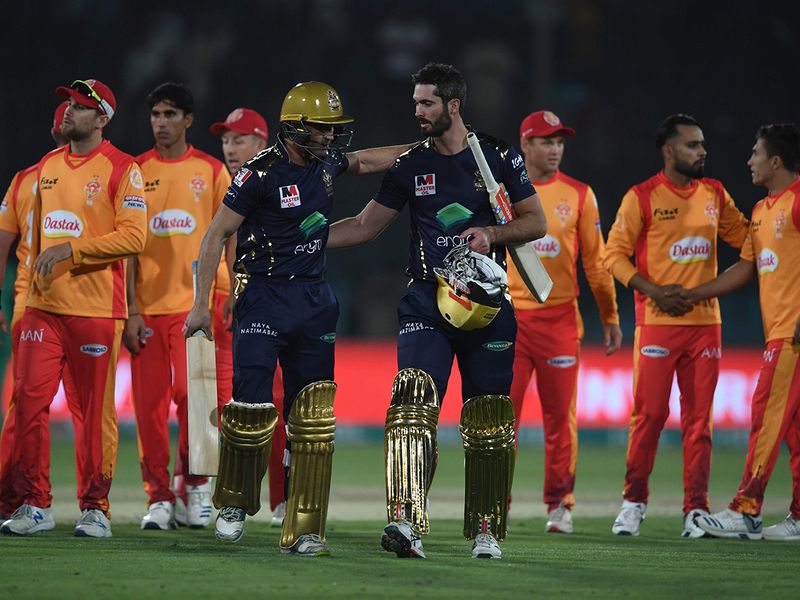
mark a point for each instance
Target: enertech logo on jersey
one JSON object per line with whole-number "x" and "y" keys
{"x": 425, "y": 185}
{"x": 62, "y": 223}
{"x": 290, "y": 196}
{"x": 690, "y": 249}
{"x": 172, "y": 221}
{"x": 767, "y": 261}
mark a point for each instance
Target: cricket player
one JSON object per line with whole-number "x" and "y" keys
{"x": 184, "y": 187}
{"x": 671, "y": 222}
{"x": 549, "y": 334}
{"x": 455, "y": 306}
{"x": 772, "y": 253}
{"x": 280, "y": 203}
{"x": 244, "y": 134}
{"x": 89, "y": 214}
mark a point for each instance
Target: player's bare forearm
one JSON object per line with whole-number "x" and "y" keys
{"x": 530, "y": 224}
{"x": 130, "y": 285}
{"x": 375, "y": 160}
{"x": 735, "y": 277}
{"x": 362, "y": 228}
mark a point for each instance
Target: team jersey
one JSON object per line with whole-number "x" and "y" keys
{"x": 95, "y": 202}
{"x": 16, "y": 216}
{"x": 182, "y": 196}
{"x": 446, "y": 195}
{"x": 573, "y": 226}
{"x": 773, "y": 243}
{"x": 673, "y": 232}
{"x": 286, "y": 209}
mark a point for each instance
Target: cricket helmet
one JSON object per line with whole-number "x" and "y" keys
{"x": 314, "y": 102}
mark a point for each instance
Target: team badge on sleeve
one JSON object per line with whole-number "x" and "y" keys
{"x": 136, "y": 178}
{"x": 290, "y": 196}
{"x": 425, "y": 185}
{"x": 242, "y": 176}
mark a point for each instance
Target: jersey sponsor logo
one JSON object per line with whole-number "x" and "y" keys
{"x": 654, "y": 351}
{"x": 413, "y": 327}
{"x": 62, "y": 223}
{"x": 563, "y": 211}
{"x": 562, "y": 362}
{"x": 150, "y": 186}
{"x": 309, "y": 247}
{"x": 715, "y": 352}
{"x": 94, "y": 349}
{"x": 197, "y": 185}
{"x": 711, "y": 211}
{"x": 498, "y": 346}
{"x": 779, "y": 223}
{"x": 524, "y": 177}
{"x": 767, "y": 261}
{"x": 31, "y": 335}
{"x": 136, "y": 178}
{"x": 665, "y": 214}
{"x": 47, "y": 183}
{"x": 290, "y": 196}
{"x": 91, "y": 189}
{"x": 172, "y": 221}
{"x": 516, "y": 162}
{"x": 328, "y": 338}
{"x": 450, "y": 241}
{"x": 547, "y": 247}
{"x": 242, "y": 176}
{"x": 134, "y": 202}
{"x": 690, "y": 250}
{"x": 425, "y": 185}
{"x": 452, "y": 215}
{"x": 258, "y": 329}
{"x": 312, "y": 224}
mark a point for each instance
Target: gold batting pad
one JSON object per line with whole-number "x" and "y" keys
{"x": 311, "y": 427}
{"x": 487, "y": 430}
{"x": 246, "y": 439}
{"x": 410, "y": 447}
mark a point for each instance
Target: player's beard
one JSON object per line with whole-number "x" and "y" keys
{"x": 440, "y": 126}
{"x": 695, "y": 171}
{"x": 76, "y": 135}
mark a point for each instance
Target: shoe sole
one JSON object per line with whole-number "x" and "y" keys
{"x": 290, "y": 552}
{"x": 790, "y": 538}
{"x": 394, "y": 541}
{"x": 625, "y": 533}
{"x": 9, "y": 531}
{"x": 156, "y": 527}
{"x": 555, "y": 529}
{"x": 82, "y": 534}
{"x": 485, "y": 555}
{"x": 737, "y": 535}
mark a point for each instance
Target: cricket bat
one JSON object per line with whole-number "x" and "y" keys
{"x": 524, "y": 256}
{"x": 201, "y": 372}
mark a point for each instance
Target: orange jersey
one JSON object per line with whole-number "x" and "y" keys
{"x": 16, "y": 216}
{"x": 773, "y": 244}
{"x": 673, "y": 232}
{"x": 573, "y": 226}
{"x": 95, "y": 203}
{"x": 182, "y": 196}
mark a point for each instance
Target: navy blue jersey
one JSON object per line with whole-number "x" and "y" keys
{"x": 285, "y": 208}
{"x": 446, "y": 195}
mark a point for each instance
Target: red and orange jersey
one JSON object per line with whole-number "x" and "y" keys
{"x": 773, "y": 244}
{"x": 182, "y": 196}
{"x": 573, "y": 226}
{"x": 673, "y": 231}
{"x": 16, "y": 216}
{"x": 95, "y": 202}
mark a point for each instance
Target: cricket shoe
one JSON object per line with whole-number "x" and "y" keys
{"x": 308, "y": 544}
{"x": 731, "y": 524}
{"x": 27, "y": 520}
{"x": 93, "y": 523}
{"x": 229, "y": 526}
{"x": 180, "y": 512}
{"x": 787, "y": 530}
{"x": 630, "y": 517}
{"x": 199, "y": 508}
{"x": 160, "y": 516}
{"x": 399, "y": 537}
{"x": 278, "y": 515}
{"x": 690, "y": 528}
{"x": 559, "y": 520}
{"x": 485, "y": 546}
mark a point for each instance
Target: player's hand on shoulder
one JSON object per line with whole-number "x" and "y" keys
{"x": 134, "y": 336}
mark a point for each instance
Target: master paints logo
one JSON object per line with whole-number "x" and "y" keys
{"x": 452, "y": 215}
{"x": 425, "y": 185}
{"x": 242, "y": 176}
{"x": 290, "y": 196}
{"x": 172, "y": 221}
{"x": 62, "y": 223}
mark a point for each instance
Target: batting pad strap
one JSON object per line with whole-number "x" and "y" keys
{"x": 310, "y": 429}
{"x": 487, "y": 431}
{"x": 246, "y": 439}
{"x": 410, "y": 447}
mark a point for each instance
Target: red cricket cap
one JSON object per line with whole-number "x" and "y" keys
{"x": 543, "y": 123}
{"x": 87, "y": 92}
{"x": 242, "y": 120}
{"x": 58, "y": 117}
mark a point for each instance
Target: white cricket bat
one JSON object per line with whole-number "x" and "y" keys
{"x": 525, "y": 258}
{"x": 201, "y": 372}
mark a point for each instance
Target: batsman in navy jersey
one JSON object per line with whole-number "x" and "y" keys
{"x": 446, "y": 312}
{"x": 278, "y": 205}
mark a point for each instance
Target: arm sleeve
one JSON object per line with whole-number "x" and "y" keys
{"x": 515, "y": 177}
{"x": 622, "y": 239}
{"x": 242, "y": 194}
{"x": 733, "y": 226}
{"x": 592, "y": 246}
{"x": 8, "y": 214}
{"x": 392, "y": 194}
{"x": 130, "y": 226}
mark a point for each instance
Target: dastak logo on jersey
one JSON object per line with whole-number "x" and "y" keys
{"x": 197, "y": 186}
{"x": 547, "y": 247}
{"x": 425, "y": 185}
{"x": 767, "y": 261}
{"x": 290, "y": 196}
{"x": 312, "y": 224}
{"x": 62, "y": 223}
{"x": 91, "y": 189}
{"x": 690, "y": 249}
{"x": 172, "y": 221}
{"x": 453, "y": 214}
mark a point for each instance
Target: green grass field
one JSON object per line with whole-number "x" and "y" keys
{"x": 591, "y": 562}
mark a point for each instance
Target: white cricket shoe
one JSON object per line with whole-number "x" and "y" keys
{"x": 160, "y": 515}
{"x": 27, "y": 520}
{"x": 93, "y": 523}
{"x": 399, "y": 537}
{"x": 731, "y": 524}
{"x": 690, "y": 528}
{"x": 630, "y": 517}
{"x": 229, "y": 526}
{"x": 180, "y": 512}
{"x": 559, "y": 520}
{"x": 199, "y": 508}
{"x": 308, "y": 544}
{"x": 485, "y": 546}
{"x": 787, "y": 530}
{"x": 278, "y": 515}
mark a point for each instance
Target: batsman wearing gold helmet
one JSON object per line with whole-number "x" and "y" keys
{"x": 279, "y": 204}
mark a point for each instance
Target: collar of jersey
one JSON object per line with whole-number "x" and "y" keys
{"x": 682, "y": 191}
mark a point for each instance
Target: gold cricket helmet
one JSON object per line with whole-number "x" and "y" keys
{"x": 314, "y": 102}
{"x": 470, "y": 288}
